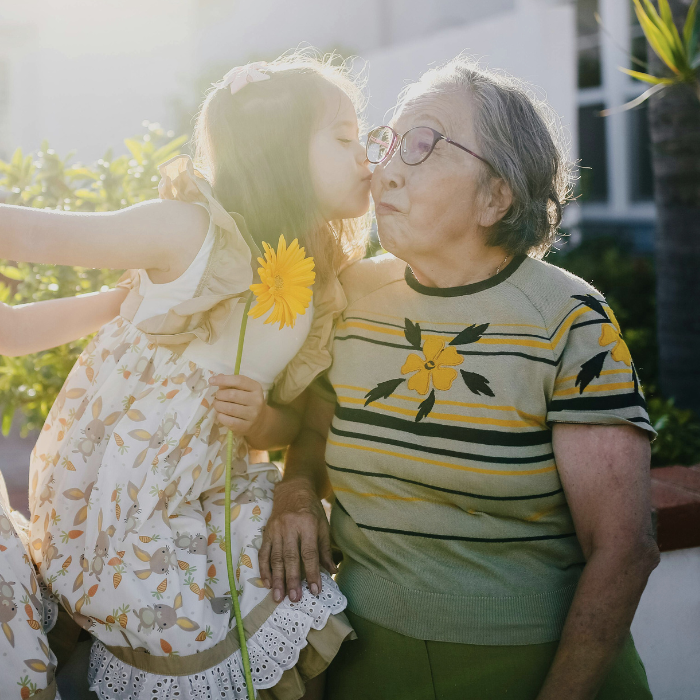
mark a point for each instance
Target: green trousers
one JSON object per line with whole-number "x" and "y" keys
{"x": 384, "y": 665}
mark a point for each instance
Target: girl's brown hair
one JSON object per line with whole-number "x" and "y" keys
{"x": 253, "y": 147}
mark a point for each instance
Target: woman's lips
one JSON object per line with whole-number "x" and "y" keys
{"x": 384, "y": 208}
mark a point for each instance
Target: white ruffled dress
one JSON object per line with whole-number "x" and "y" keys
{"x": 126, "y": 484}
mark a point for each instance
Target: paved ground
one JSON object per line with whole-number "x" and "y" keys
{"x": 14, "y": 465}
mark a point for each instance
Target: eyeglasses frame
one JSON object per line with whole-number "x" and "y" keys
{"x": 437, "y": 137}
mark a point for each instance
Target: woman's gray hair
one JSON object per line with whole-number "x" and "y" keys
{"x": 521, "y": 137}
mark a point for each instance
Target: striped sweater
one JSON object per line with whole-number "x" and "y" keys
{"x": 449, "y": 510}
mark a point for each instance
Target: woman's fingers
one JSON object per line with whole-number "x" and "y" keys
{"x": 264, "y": 561}
{"x": 277, "y": 564}
{"x": 292, "y": 567}
{"x": 324, "y": 551}
{"x": 309, "y": 555}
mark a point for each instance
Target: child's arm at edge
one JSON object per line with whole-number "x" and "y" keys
{"x": 45, "y": 324}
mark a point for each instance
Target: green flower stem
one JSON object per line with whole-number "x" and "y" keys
{"x": 229, "y": 555}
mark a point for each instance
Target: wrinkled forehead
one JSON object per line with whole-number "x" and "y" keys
{"x": 450, "y": 111}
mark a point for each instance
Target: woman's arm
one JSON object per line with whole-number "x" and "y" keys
{"x": 605, "y": 474}
{"x": 45, "y": 324}
{"x": 160, "y": 235}
{"x": 297, "y": 531}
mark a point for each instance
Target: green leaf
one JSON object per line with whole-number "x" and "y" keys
{"x": 11, "y": 272}
{"x": 690, "y": 30}
{"x": 135, "y": 148}
{"x": 169, "y": 150}
{"x": 668, "y": 27}
{"x": 7, "y": 416}
{"x": 655, "y": 37}
{"x": 647, "y": 78}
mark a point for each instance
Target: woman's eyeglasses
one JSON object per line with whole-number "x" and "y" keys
{"x": 414, "y": 146}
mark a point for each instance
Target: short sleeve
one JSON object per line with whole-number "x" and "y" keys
{"x": 596, "y": 380}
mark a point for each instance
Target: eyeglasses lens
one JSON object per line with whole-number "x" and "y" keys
{"x": 417, "y": 145}
{"x": 378, "y": 144}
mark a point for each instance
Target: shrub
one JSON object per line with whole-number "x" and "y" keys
{"x": 29, "y": 384}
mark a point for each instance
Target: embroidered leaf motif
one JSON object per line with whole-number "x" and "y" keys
{"x": 425, "y": 407}
{"x": 592, "y": 303}
{"x": 413, "y": 334}
{"x": 590, "y": 370}
{"x": 476, "y": 383}
{"x": 470, "y": 334}
{"x": 383, "y": 390}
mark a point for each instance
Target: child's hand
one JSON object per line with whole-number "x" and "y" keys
{"x": 240, "y": 402}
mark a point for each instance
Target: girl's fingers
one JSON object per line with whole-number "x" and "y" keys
{"x": 235, "y": 425}
{"x": 235, "y": 396}
{"x": 236, "y": 410}
{"x": 234, "y": 381}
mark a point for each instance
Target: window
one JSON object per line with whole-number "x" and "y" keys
{"x": 588, "y": 41}
{"x": 592, "y": 148}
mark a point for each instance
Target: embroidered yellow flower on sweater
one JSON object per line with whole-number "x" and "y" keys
{"x": 612, "y": 334}
{"x": 433, "y": 367}
{"x": 285, "y": 278}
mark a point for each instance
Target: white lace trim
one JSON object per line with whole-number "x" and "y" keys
{"x": 273, "y": 649}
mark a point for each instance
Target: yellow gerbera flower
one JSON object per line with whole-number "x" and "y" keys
{"x": 432, "y": 367}
{"x": 612, "y": 334}
{"x": 285, "y": 278}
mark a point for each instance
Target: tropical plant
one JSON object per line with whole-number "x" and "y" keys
{"x": 44, "y": 180}
{"x": 674, "y": 126}
{"x": 680, "y": 54}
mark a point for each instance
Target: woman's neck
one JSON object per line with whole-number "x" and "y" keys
{"x": 468, "y": 264}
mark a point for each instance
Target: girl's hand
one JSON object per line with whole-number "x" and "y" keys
{"x": 239, "y": 403}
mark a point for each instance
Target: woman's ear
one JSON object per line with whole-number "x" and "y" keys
{"x": 498, "y": 198}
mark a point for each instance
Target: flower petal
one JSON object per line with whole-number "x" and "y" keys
{"x": 621, "y": 353}
{"x": 420, "y": 381}
{"x": 432, "y": 348}
{"x": 608, "y": 334}
{"x": 443, "y": 377}
{"x": 449, "y": 356}
{"x": 413, "y": 364}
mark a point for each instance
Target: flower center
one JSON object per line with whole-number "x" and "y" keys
{"x": 429, "y": 365}
{"x": 279, "y": 282}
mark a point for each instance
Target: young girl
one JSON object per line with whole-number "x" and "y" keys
{"x": 27, "y": 664}
{"x": 127, "y": 476}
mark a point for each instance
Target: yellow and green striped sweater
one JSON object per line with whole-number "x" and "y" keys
{"x": 449, "y": 510}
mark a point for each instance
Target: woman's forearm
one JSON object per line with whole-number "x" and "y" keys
{"x": 45, "y": 324}
{"x": 306, "y": 460}
{"x": 598, "y": 621}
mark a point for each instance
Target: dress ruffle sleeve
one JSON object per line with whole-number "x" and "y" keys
{"x": 229, "y": 271}
{"x": 314, "y": 358}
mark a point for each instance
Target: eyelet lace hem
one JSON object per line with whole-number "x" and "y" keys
{"x": 273, "y": 649}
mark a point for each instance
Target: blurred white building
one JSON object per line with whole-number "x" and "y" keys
{"x": 85, "y": 74}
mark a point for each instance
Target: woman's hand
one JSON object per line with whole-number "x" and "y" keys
{"x": 297, "y": 525}
{"x": 240, "y": 403}
{"x": 297, "y": 532}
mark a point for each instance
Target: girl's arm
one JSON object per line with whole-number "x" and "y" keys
{"x": 162, "y": 236}
{"x": 45, "y": 324}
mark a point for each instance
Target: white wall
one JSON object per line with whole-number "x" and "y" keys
{"x": 666, "y": 629}
{"x": 85, "y": 74}
{"x": 535, "y": 42}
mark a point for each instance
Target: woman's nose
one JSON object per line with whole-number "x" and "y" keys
{"x": 389, "y": 171}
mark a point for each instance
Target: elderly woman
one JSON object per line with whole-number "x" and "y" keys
{"x": 482, "y": 427}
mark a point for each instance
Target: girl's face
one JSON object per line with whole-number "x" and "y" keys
{"x": 339, "y": 168}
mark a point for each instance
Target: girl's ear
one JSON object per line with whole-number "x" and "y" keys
{"x": 497, "y": 200}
